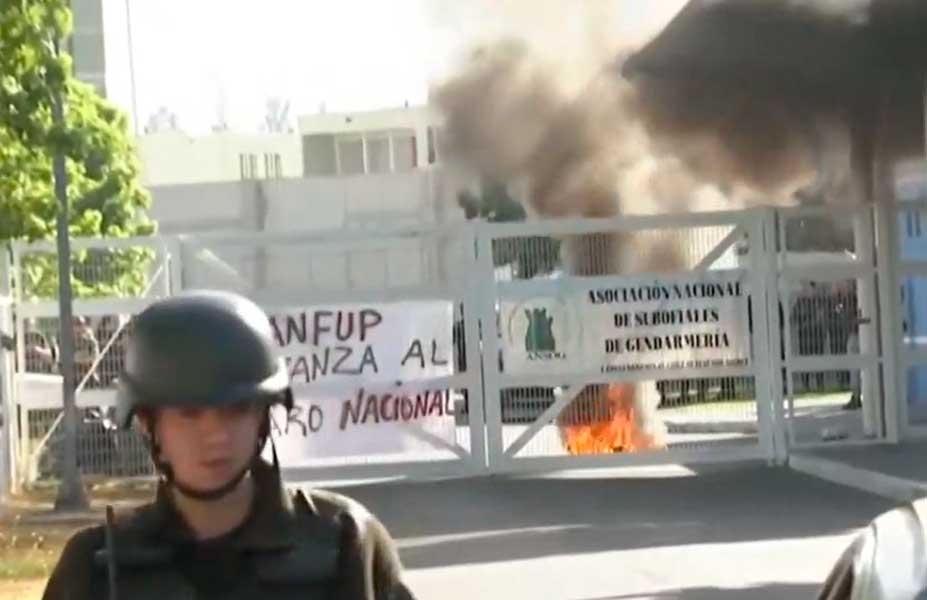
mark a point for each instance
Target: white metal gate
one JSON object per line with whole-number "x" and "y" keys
{"x": 833, "y": 332}
{"x": 509, "y": 418}
{"x": 328, "y": 270}
{"x": 730, "y": 413}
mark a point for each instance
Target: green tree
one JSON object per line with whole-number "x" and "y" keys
{"x": 105, "y": 197}
{"x": 529, "y": 255}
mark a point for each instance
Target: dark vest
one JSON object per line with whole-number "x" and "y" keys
{"x": 286, "y": 550}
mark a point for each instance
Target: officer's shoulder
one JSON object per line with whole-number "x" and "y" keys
{"x": 91, "y": 536}
{"x": 84, "y": 544}
{"x": 332, "y": 504}
{"x": 91, "y": 539}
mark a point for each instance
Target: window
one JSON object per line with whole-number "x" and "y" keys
{"x": 319, "y": 155}
{"x": 404, "y": 151}
{"x": 378, "y": 155}
{"x": 351, "y": 156}
{"x": 273, "y": 165}
{"x": 247, "y": 166}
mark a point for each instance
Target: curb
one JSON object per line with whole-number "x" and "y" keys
{"x": 873, "y": 482}
{"x": 709, "y": 427}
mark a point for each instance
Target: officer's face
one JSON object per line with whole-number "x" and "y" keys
{"x": 208, "y": 447}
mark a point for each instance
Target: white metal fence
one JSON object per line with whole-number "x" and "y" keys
{"x": 406, "y": 267}
{"x": 539, "y": 377}
{"x": 676, "y": 412}
{"x": 828, "y": 296}
{"x": 127, "y": 274}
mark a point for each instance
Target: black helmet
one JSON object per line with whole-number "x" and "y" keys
{"x": 201, "y": 349}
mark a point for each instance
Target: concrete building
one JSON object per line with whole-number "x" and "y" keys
{"x": 175, "y": 158}
{"x": 370, "y": 171}
{"x": 379, "y": 141}
{"x": 328, "y": 144}
{"x": 342, "y": 170}
{"x": 86, "y": 44}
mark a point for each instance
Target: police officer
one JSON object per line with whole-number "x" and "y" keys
{"x": 888, "y": 561}
{"x": 200, "y": 378}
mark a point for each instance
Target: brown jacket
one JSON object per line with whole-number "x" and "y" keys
{"x": 315, "y": 546}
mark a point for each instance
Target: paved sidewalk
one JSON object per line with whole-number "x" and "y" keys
{"x": 897, "y": 472}
{"x": 742, "y": 531}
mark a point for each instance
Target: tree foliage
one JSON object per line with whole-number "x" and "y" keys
{"x": 105, "y": 197}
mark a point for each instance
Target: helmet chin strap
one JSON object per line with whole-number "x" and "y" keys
{"x": 207, "y": 495}
{"x": 218, "y": 493}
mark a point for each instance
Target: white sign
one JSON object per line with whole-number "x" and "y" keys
{"x": 359, "y": 374}
{"x": 639, "y": 324}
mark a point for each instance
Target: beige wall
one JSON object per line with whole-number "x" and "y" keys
{"x": 173, "y": 158}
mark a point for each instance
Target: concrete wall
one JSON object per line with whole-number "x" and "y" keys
{"x": 311, "y": 206}
{"x": 205, "y": 207}
{"x": 306, "y": 204}
{"x": 174, "y": 158}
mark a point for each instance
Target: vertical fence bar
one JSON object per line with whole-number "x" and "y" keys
{"x": 489, "y": 335}
{"x": 765, "y": 352}
{"x": 476, "y": 396}
{"x": 8, "y": 429}
{"x": 19, "y": 442}
{"x": 777, "y": 323}
{"x": 174, "y": 249}
{"x": 887, "y": 250}
{"x": 872, "y": 404}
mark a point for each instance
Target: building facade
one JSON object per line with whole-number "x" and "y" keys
{"x": 86, "y": 44}
{"x": 175, "y": 158}
{"x": 379, "y": 141}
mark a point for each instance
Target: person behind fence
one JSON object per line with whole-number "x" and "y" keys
{"x": 887, "y": 561}
{"x": 86, "y": 352}
{"x": 199, "y": 380}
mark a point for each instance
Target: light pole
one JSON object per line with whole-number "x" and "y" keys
{"x": 71, "y": 494}
{"x": 135, "y": 125}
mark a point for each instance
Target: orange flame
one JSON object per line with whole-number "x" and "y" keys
{"x": 620, "y": 432}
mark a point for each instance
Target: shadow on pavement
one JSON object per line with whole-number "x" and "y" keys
{"x": 500, "y": 519}
{"x": 763, "y": 592}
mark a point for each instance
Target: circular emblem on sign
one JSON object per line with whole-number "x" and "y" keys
{"x": 544, "y": 328}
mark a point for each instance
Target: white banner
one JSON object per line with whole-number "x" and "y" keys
{"x": 359, "y": 374}
{"x": 700, "y": 321}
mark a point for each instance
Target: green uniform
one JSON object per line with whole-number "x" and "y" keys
{"x": 315, "y": 546}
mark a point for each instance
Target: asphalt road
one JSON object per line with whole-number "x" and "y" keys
{"x": 742, "y": 531}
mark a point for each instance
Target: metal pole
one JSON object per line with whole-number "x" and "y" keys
{"x": 132, "y": 69}
{"x": 71, "y": 495}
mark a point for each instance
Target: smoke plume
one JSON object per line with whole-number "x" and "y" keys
{"x": 554, "y": 112}
{"x": 588, "y": 142}
{"x": 583, "y": 153}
